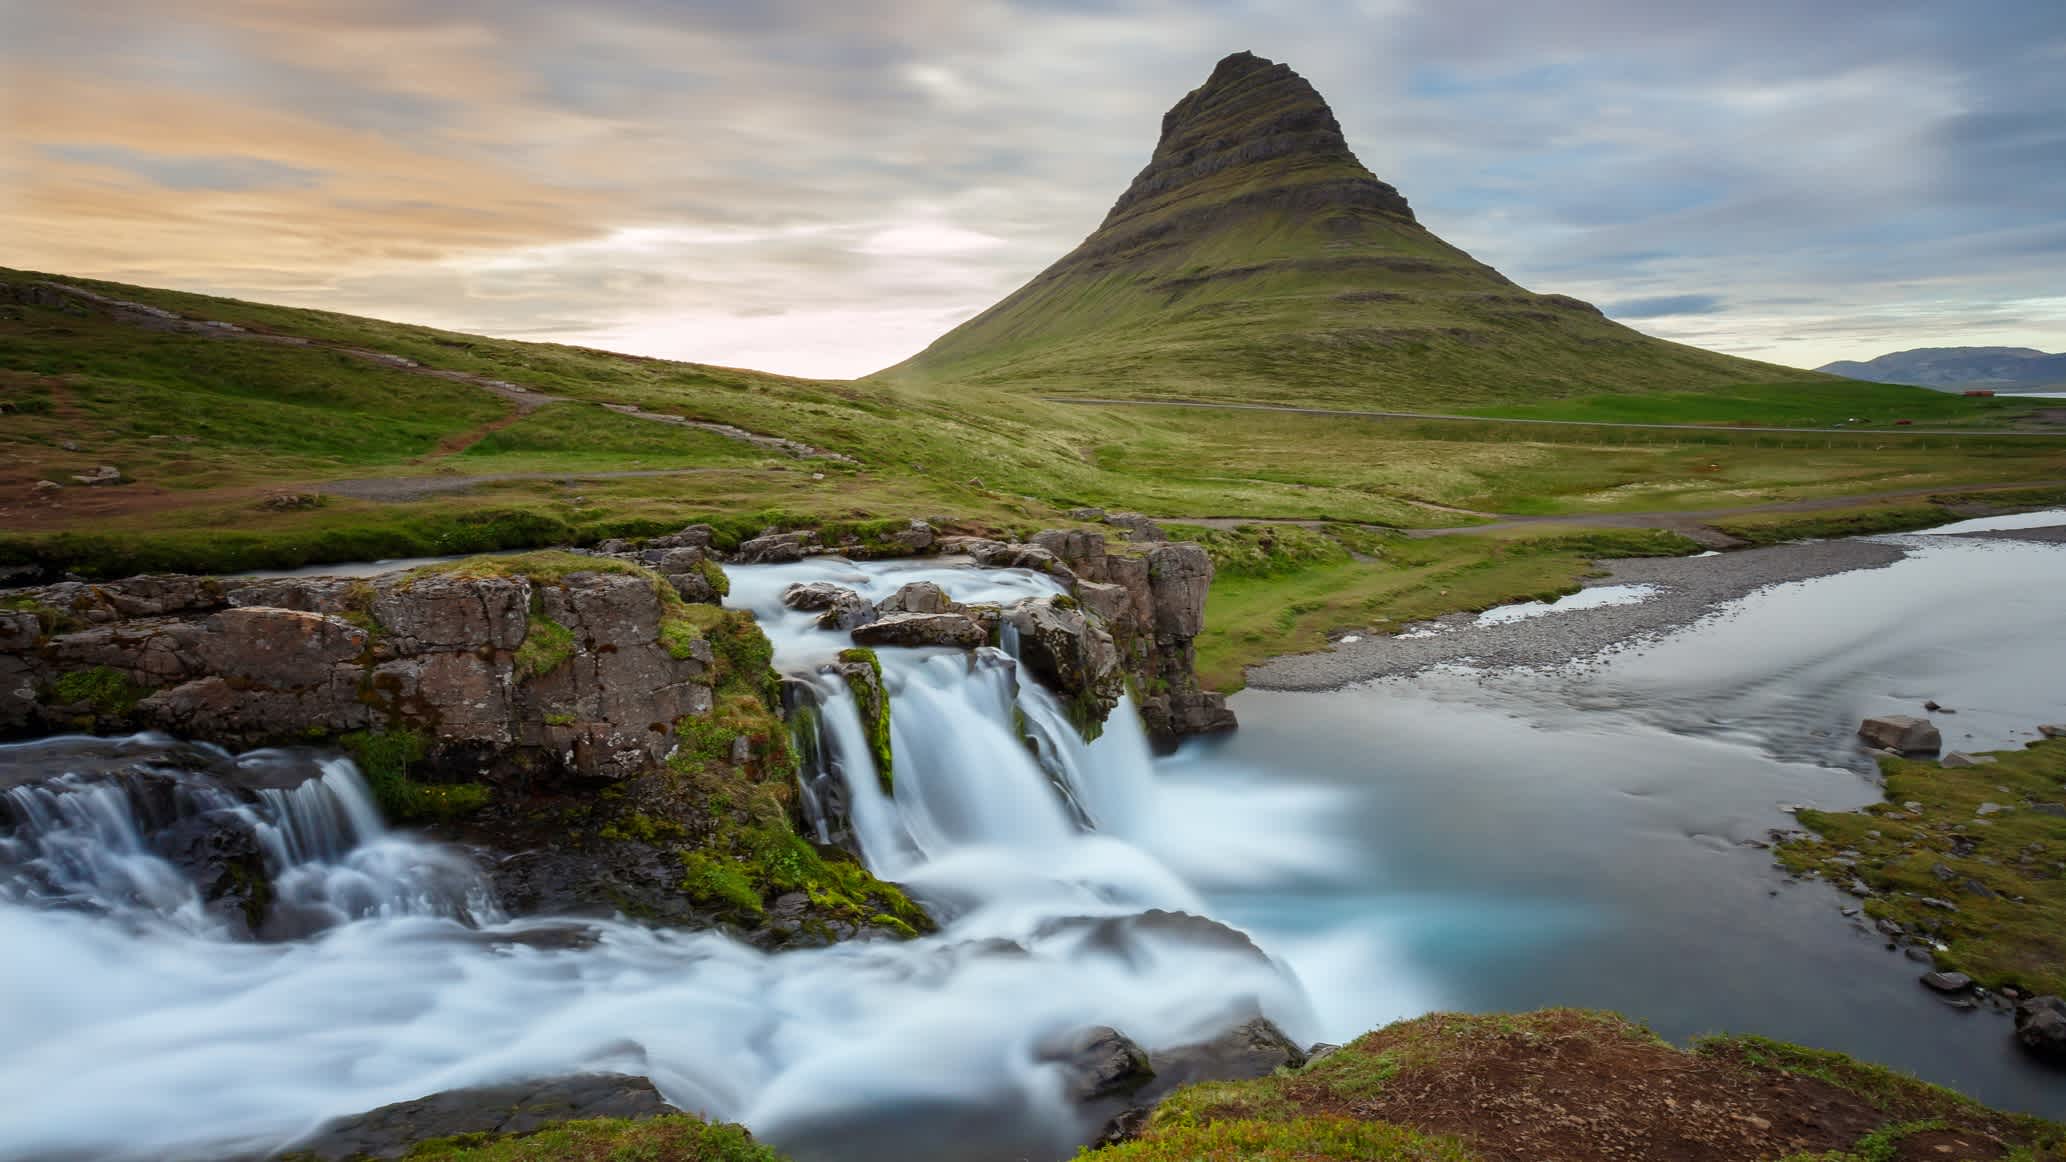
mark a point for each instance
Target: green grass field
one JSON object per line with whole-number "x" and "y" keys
{"x": 1834, "y": 404}
{"x": 208, "y": 429}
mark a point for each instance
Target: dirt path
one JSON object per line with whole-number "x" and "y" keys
{"x": 1902, "y": 433}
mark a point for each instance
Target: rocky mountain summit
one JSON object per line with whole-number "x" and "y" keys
{"x": 1255, "y": 257}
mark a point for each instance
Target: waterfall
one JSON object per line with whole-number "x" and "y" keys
{"x": 160, "y": 837}
{"x": 1064, "y": 875}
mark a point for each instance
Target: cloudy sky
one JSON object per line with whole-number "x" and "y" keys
{"x": 821, "y": 188}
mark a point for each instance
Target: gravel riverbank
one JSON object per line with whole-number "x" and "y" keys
{"x": 1685, "y": 588}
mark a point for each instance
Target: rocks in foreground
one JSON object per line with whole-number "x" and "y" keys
{"x": 2041, "y": 1028}
{"x": 1963, "y": 861}
{"x": 1902, "y": 733}
{"x": 392, "y": 1131}
{"x": 1567, "y": 1084}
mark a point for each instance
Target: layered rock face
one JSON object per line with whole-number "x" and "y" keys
{"x": 1145, "y": 601}
{"x": 1255, "y": 258}
{"x": 502, "y": 674}
{"x": 1257, "y": 127}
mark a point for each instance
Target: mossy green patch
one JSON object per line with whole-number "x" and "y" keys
{"x": 1989, "y": 840}
{"x": 110, "y": 692}
{"x": 386, "y": 757}
{"x": 1318, "y": 1139}
{"x": 546, "y": 646}
{"x": 678, "y": 1138}
{"x": 874, "y": 706}
{"x": 1889, "y": 1091}
{"x": 1884, "y": 518}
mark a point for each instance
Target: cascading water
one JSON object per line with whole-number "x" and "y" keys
{"x": 1561, "y": 839}
{"x": 1033, "y": 846}
{"x": 295, "y": 835}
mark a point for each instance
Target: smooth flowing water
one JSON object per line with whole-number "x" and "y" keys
{"x": 1457, "y": 840}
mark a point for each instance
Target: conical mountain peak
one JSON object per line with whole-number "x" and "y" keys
{"x": 1255, "y": 259}
{"x": 1253, "y": 120}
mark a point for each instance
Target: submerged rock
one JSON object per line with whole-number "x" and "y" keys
{"x": 1097, "y": 1063}
{"x": 1902, "y": 733}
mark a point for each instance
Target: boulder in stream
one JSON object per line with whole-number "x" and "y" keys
{"x": 2041, "y": 1028}
{"x": 1903, "y": 733}
{"x": 922, "y": 629}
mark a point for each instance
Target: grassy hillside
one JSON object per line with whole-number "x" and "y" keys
{"x": 309, "y": 437}
{"x": 1256, "y": 259}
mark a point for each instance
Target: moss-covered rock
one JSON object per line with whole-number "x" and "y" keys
{"x": 1562, "y": 1083}
{"x": 862, "y": 670}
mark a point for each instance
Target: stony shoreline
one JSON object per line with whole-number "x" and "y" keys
{"x": 1688, "y": 589}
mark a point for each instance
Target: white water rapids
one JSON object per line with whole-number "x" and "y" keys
{"x": 133, "y": 1025}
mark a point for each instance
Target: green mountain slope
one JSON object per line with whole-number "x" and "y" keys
{"x": 1256, "y": 259}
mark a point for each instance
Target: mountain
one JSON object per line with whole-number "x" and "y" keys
{"x": 1256, "y": 258}
{"x": 1958, "y": 368}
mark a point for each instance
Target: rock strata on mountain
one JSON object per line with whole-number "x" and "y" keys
{"x": 1254, "y": 257}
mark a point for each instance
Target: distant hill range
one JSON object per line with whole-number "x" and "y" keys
{"x": 1255, "y": 258}
{"x": 1961, "y": 368}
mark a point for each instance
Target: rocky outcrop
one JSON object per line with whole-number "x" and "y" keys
{"x": 1116, "y": 1083}
{"x": 1902, "y": 733}
{"x": 1070, "y": 651}
{"x": 1150, "y": 595}
{"x": 578, "y": 673}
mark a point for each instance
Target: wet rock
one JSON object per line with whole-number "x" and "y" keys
{"x": 222, "y": 859}
{"x": 918, "y": 597}
{"x": 390, "y": 1131}
{"x": 921, "y": 629}
{"x": 814, "y": 596}
{"x": 1903, "y": 733}
{"x": 1254, "y": 1048}
{"x": 2052, "y": 730}
{"x": 1068, "y": 651}
{"x": 1097, "y": 1063}
{"x": 1947, "y": 982}
{"x": 2041, "y": 1028}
